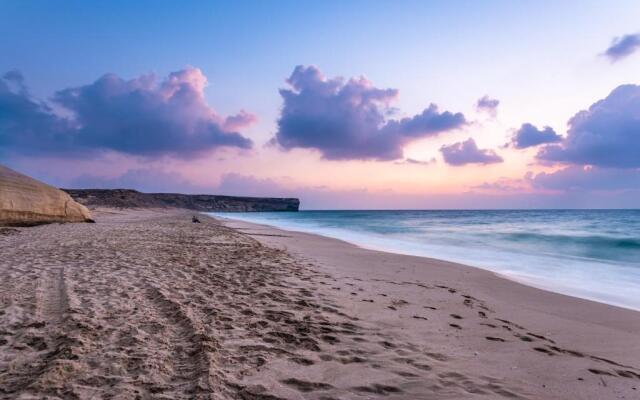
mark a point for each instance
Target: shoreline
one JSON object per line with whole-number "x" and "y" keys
{"x": 278, "y": 233}
{"x": 536, "y": 282}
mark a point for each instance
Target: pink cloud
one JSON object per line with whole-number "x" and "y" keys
{"x": 239, "y": 121}
{"x": 141, "y": 117}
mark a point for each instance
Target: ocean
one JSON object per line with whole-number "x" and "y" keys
{"x": 592, "y": 254}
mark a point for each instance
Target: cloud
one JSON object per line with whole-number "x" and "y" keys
{"x": 488, "y": 105}
{"x": 413, "y": 161}
{"x": 576, "y": 178}
{"x": 622, "y": 47}
{"x": 142, "y": 116}
{"x": 503, "y": 184}
{"x": 347, "y": 120}
{"x": 467, "y": 152}
{"x": 239, "y": 121}
{"x": 16, "y": 78}
{"x": 605, "y": 135}
{"x": 528, "y": 136}
{"x": 25, "y": 123}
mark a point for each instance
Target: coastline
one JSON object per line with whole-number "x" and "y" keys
{"x": 305, "y": 244}
{"x": 146, "y": 304}
{"x": 541, "y": 269}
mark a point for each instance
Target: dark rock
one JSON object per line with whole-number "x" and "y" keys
{"x": 127, "y": 198}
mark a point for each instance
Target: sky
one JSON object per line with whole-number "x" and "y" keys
{"x": 344, "y": 104}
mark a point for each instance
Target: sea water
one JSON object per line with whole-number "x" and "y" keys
{"x": 592, "y": 254}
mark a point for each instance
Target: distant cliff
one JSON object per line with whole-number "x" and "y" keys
{"x": 127, "y": 198}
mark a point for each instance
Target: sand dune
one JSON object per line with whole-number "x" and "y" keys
{"x": 147, "y": 305}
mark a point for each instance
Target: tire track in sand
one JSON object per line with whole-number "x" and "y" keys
{"x": 190, "y": 350}
{"x": 44, "y": 335}
{"x": 51, "y": 296}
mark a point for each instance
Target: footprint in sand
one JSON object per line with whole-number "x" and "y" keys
{"x": 306, "y": 386}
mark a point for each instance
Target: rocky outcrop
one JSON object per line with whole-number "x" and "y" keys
{"x": 25, "y": 201}
{"x": 127, "y": 198}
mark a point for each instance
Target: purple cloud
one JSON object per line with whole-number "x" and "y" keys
{"x": 467, "y": 152}
{"x": 413, "y": 161}
{"x": 577, "y": 178}
{"x": 26, "y": 123}
{"x": 488, "y": 105}
{"x": 622, "y": 47}
{"x": 139, "y": 117}
{"x": 16, "y": 78}
{"x": 503, "y": 185}
{"x": 239, "y": 121}
{"x": 605, "y": 135}
{"x": 528, "y": 136}
{"x": 346, "y": 120}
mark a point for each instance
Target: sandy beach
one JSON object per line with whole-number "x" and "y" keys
{"x": 144, "y": 304}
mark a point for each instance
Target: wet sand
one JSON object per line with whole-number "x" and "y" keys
{"x": 146, "y": 304}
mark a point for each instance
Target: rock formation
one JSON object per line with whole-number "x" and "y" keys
{"x": 127, "y": 198}
{"x": 25, "y": 201}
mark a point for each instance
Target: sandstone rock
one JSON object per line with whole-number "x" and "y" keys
{"x": 25, "y": 201}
